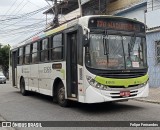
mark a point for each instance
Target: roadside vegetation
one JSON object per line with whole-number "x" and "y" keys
{"x": 4, "y": 59}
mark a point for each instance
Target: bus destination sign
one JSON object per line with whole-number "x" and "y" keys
{"x": 115, "y": 24}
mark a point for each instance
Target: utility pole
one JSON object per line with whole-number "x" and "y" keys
{"x": 152, "y": 5}
{"x": 80, "y": 7}
{"x": 55, "y": 11}
{"x": 55, "y": 20}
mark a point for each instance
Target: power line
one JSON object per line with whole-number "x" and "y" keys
{"x": 17, "y": 6}
{"x": 25, "y": 31}
{"x": 23, "y": 18}
{"x": 10, "y": 7}
{"x": 27, "y": 37}
{"x": 27, "y": 14}
{"x": 33, "y": 4}
{"x": 32, "y": 36}
{"x": 24, "y": 27}
{"x": 21, "y": 8}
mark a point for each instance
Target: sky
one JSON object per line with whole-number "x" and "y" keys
{"x": 20, "y": 19}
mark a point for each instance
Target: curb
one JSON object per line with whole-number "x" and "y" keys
{"x": 149, "y": 101}
{"x": 3, "y": 128}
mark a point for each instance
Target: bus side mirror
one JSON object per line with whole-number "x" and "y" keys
{"x": 85, "y": 40}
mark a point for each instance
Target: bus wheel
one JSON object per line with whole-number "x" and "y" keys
{"x": 22, "y": 87}
{"x": 61, "y": 96}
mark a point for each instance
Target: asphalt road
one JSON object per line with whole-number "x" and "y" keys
{"x": 36, "y": 107}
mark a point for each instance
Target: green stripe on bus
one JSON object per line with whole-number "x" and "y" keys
{"x": 122, "y": 82}
{"x": 63, "y": 73}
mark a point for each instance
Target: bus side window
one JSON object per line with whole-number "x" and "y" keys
{"x": 27, "y": 54}
{"x": 34, "y": 57}
{"x": 44, "y": 52}
{"x": 20, "y": 56}
{"x": 57, "y": 48}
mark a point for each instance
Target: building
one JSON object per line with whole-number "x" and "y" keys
{"x": 118, "y": 5}
{"x": 153, "y": 41}
{"x": 134, "y": 9}
{"x": 69, "y": 9}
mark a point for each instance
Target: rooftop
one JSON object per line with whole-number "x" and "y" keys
{"x": 65, "y": 7}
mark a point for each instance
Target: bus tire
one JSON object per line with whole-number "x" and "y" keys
{"x": 22, "y": 87}
{"x": 61, "y": 96}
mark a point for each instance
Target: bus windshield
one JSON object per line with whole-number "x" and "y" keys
{"x": 116, "y": 52}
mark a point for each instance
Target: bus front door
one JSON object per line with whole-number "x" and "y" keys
{"x": 71, "y": 62}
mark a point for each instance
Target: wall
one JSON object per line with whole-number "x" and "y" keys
{"x": 135, "y": 12}
{"x": 153, "y": 18}
{"x": 119, "y": 4}
{"x": 154, "y": 68}
{"x": 153, "y": 24}
{"x": 153, "y": 5}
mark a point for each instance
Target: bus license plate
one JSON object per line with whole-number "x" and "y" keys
{"x": 125, "y": 93}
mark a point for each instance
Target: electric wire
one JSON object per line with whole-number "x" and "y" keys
{"x": 20, "y": 20}
{"x": 10, "y": 7}
{"x": 26, "y": 14}
{"x": 18, "y": 6}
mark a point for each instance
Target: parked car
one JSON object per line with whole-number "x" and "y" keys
{"x": 2, "y": 78}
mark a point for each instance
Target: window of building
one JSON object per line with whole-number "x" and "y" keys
{"x": 20, "y": 56}
{"x": 27, "y": 54}
{"x": 44, "y": 53}
{"x": 158, "y": 52}
{"x": 57, "y": 48}
{"x": 34, "y": 52}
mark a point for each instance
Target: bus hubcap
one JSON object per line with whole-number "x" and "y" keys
{"x": 61, "y": 95}
{"x": 22, "y": 87}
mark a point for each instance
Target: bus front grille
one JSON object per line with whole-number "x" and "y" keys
{"x": 130, "y": 86}
{"x": 123, "y": 75}
{"x": 123, "y": 97}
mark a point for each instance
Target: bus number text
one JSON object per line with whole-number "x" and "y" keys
{"x": 47, "y": 69}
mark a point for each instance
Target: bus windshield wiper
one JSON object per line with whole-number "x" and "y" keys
{"x": 106, "y": 46}
{"x": 132, "y": 42}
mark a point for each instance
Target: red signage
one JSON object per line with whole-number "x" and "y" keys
{"x": 118, "y": 25}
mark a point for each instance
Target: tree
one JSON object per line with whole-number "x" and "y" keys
{"x": 4, "y": 58}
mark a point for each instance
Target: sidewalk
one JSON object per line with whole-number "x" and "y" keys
{"x": 154, "y": 96}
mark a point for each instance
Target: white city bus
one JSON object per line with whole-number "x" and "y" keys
{"x": 90, "y": 60}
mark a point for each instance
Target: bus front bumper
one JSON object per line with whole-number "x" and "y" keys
{"x": 94, "y": 95}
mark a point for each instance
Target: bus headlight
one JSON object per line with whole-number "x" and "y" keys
{"x": 142, "y": 85}
{"x": 95, "y": 84}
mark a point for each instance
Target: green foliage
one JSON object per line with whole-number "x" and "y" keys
{"x": 4, "y": 57}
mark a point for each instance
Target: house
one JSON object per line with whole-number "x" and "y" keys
{"x": 134, "y": 9}
{"x": 153, "y": 41}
